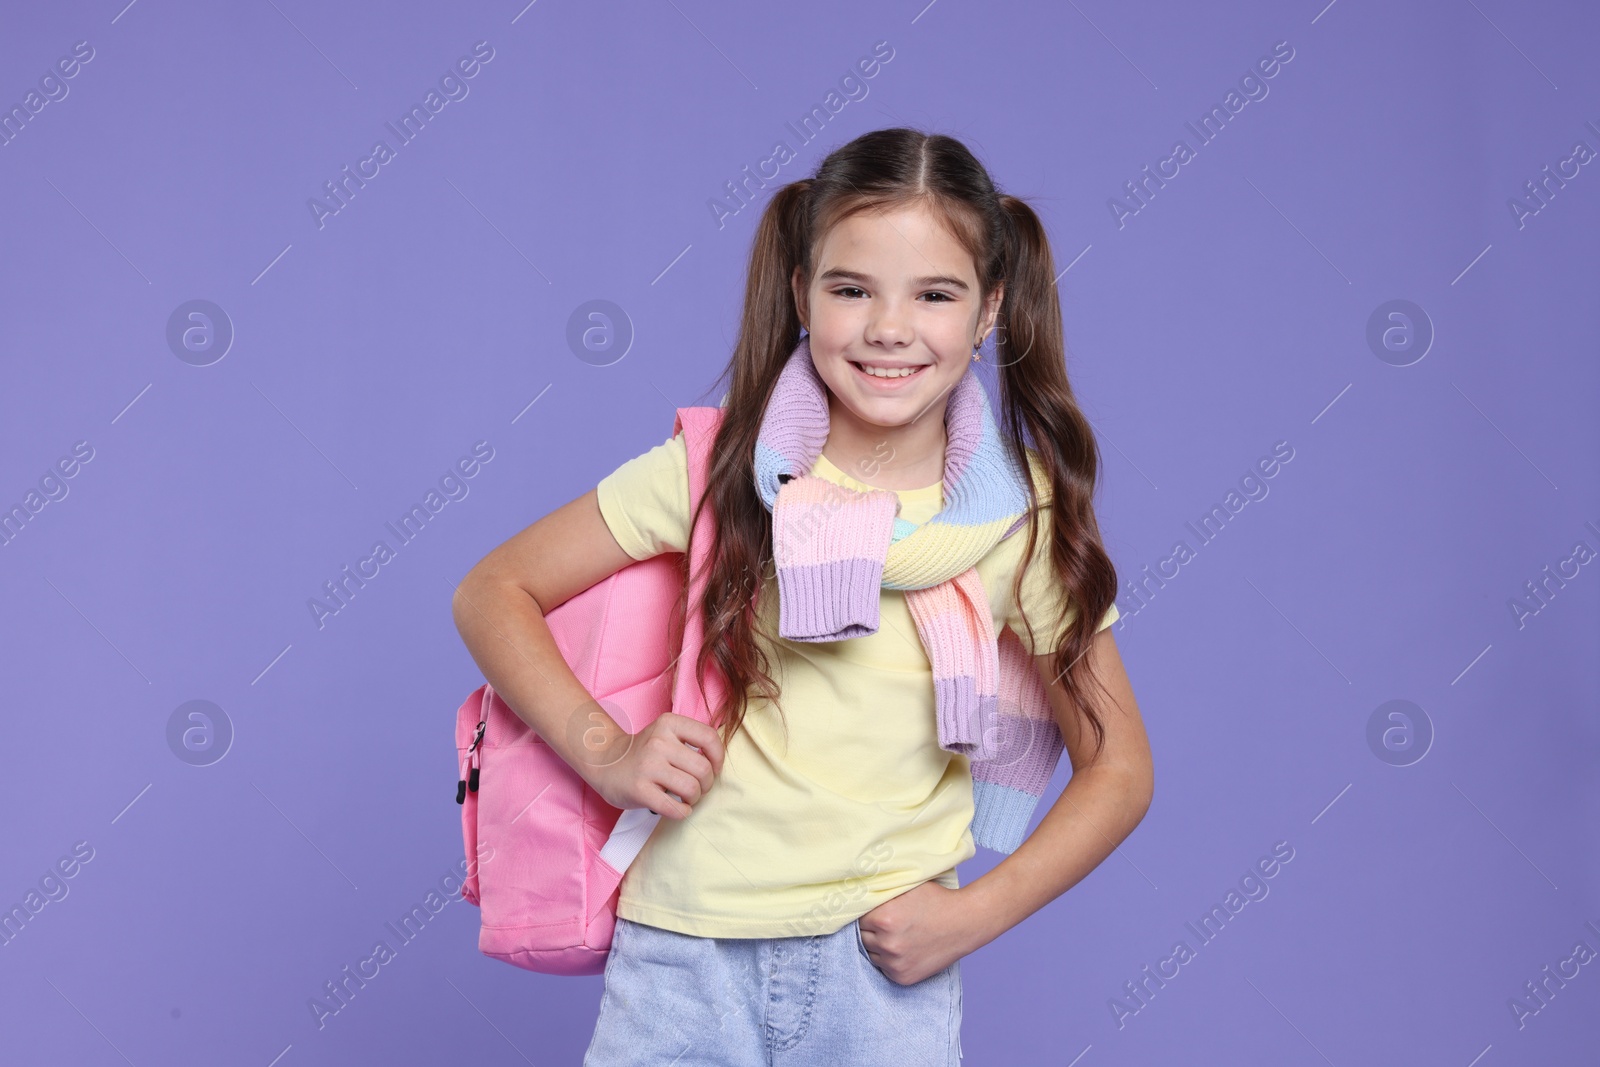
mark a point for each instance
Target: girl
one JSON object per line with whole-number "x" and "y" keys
{"x": 883, "y": 634}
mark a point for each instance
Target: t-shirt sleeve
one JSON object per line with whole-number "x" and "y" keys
{"x": 1042, "y": 596}
{"x": 645, "y": 502}
{"x": 1042, "y": 592}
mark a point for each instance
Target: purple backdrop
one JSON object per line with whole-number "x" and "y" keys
{"x": 226, "y": 374}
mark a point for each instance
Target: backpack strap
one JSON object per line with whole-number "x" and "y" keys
{"x": 699, "y": 426}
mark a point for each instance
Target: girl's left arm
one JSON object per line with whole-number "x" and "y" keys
{"x": 1099, "y": 807}
{"x": 922, "y": 930}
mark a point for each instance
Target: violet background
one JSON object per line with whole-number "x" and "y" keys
{"x": 433, "y": 311}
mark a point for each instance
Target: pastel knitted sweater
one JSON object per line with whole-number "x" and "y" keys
{"x": 837, "y": 549}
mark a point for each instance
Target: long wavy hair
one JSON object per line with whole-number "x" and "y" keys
{"x": 884, "y": 169}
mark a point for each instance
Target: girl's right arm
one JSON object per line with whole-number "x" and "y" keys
{"x": 499, "y": 609}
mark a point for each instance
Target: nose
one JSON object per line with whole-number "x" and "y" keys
{"x": 889, "y": 325}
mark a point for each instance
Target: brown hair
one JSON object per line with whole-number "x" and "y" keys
{"x": 1037, "y": 410}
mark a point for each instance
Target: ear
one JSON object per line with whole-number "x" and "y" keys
{"x": 796, "y": 284}
{"x": 991, "y": 307}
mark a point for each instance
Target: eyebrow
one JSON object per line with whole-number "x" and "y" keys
{"x": 926, "y": 280}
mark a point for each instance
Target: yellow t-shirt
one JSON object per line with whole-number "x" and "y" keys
{"x": 802, "y": 834}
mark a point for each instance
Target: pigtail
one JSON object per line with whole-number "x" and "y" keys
{"x": 769, "y": 330}
{"x": 1040, "y": 408}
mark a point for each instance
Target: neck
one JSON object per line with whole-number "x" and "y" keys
{"x": 887, "y": 457}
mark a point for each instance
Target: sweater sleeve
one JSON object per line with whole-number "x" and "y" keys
{"x": 645, "y": 502}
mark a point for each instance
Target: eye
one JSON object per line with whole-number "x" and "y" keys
{"x": 944, "y": 298}
{"x": 848, "y": 289}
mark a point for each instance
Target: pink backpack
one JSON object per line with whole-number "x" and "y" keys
{"x": 545, "y": 854}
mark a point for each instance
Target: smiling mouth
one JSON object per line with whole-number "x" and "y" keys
{"x": 885, "y": 375}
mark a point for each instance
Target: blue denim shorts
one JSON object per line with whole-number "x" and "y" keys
{"x": 688, "y": 1001}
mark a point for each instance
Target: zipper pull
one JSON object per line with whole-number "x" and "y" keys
{"x": 477, "y": 756}
{"x": 472, "y": 758}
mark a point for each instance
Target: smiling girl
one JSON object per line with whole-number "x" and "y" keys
{"x": 909, "y": 599}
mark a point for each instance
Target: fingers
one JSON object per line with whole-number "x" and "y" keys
{"x": 676, "y": 797}
{"x": 677, "y": 764}
{"x": 698, "y": 734}
{"x": 692, "y": 763}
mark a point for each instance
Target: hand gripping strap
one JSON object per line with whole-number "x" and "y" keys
{"x": 699, "y": 426}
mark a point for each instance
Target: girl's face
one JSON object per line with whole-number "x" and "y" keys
{"x": 893, "y": 313}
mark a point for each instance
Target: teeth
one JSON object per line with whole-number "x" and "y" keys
{"x": 879, "y": 372}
